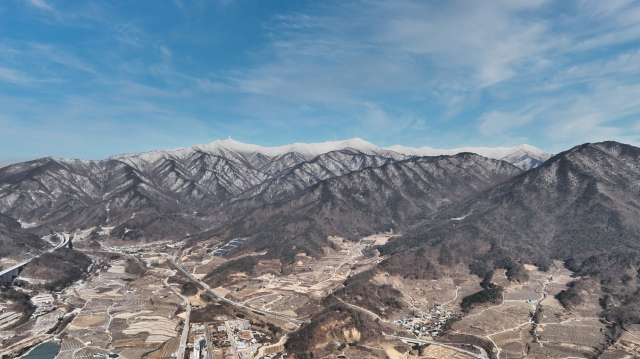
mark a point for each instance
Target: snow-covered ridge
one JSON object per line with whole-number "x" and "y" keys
{"x": 495, "y": 153}
{"x": 315, "y": 149}
{"x": 523, "y": 156}
{"x": 307, "y": 149}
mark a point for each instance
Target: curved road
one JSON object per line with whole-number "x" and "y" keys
{"x": 64, "y": 240}
{"x": 372, "y": 314}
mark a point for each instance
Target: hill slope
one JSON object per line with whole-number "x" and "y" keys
{"x": 582, "y": 206}
{"x": 359, "y": 203}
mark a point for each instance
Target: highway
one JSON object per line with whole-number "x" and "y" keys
{"x": 236, "y": 304}
{"x": 185, "y": 331}
{"x": 482, "y": 355}
{"x": 64, "y": 240}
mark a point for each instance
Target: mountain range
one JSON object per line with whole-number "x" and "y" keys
{"x": 225, "y": 174}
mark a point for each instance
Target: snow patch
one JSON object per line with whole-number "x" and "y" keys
{"x": 460, "y": 218}
{"x": 27, "y": 225}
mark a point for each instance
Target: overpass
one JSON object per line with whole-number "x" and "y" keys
{"x": 8, "y": 275}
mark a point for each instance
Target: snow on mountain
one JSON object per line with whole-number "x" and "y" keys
{"x": 523, "y": 156}
{"x": 200, "y": 176}
{"x": 308, "y": 150}
{"x": 186, "y": 179}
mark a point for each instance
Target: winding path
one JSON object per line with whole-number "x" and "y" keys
{"x": 374, "y": 315}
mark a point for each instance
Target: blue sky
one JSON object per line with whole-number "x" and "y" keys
{"x": 88, "y": 79}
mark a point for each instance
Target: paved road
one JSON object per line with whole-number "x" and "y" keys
{"x": 482, "y": 355}
{"x": 206, "y": 286}
{"x": 64, "y": 240}
{"x": 185, "y": 330}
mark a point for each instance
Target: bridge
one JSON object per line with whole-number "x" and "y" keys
{"x": 8, "y": 275}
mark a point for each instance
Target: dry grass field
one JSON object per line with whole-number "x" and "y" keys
{"x": 438, "y": 352}
{"x": 561, "y": 333}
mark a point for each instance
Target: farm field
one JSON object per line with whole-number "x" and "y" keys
{"x": 122, "y": 313}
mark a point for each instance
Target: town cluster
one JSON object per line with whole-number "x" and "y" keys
{"x": 241, "y": 340}
{"x": 426, "y": 324}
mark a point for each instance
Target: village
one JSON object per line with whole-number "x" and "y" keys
{"x": 425, "y": 325}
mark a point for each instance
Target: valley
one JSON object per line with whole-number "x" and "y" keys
{"x": 137, "y": 304}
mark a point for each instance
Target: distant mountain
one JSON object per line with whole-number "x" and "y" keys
{"x": 362, "y": 202}
{"x": 216, "y": 180}
{"x": 524, "y": 156}
{"x": 183, "y": 180}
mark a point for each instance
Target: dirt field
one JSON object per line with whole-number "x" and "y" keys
{"x": 438, "y": 352}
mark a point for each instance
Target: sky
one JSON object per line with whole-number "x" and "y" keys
{"x": 89, "y": 79}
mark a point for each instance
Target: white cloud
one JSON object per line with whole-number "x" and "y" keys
{"x": 14, "y": 76}
{"x": 42, "y": 4}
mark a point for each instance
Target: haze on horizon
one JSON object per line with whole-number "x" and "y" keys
{"x": 93, "y": 79}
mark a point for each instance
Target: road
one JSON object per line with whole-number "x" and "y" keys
{"x": 262, "y": 348}
{"x": 185, "y": 330}
{"x": 236, "y": 304}
{"x": 64, "y": 240}
{"x": 262, "y": 296}
{"x": 372, "y": 314}
{"x": 482, "y": 355}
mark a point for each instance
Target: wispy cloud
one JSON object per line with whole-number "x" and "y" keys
{"x": 438, "y": 73}
{"x": 41, "y": 4}
{"x": 15, "y": 77}
{"x": 518, "y": 61}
